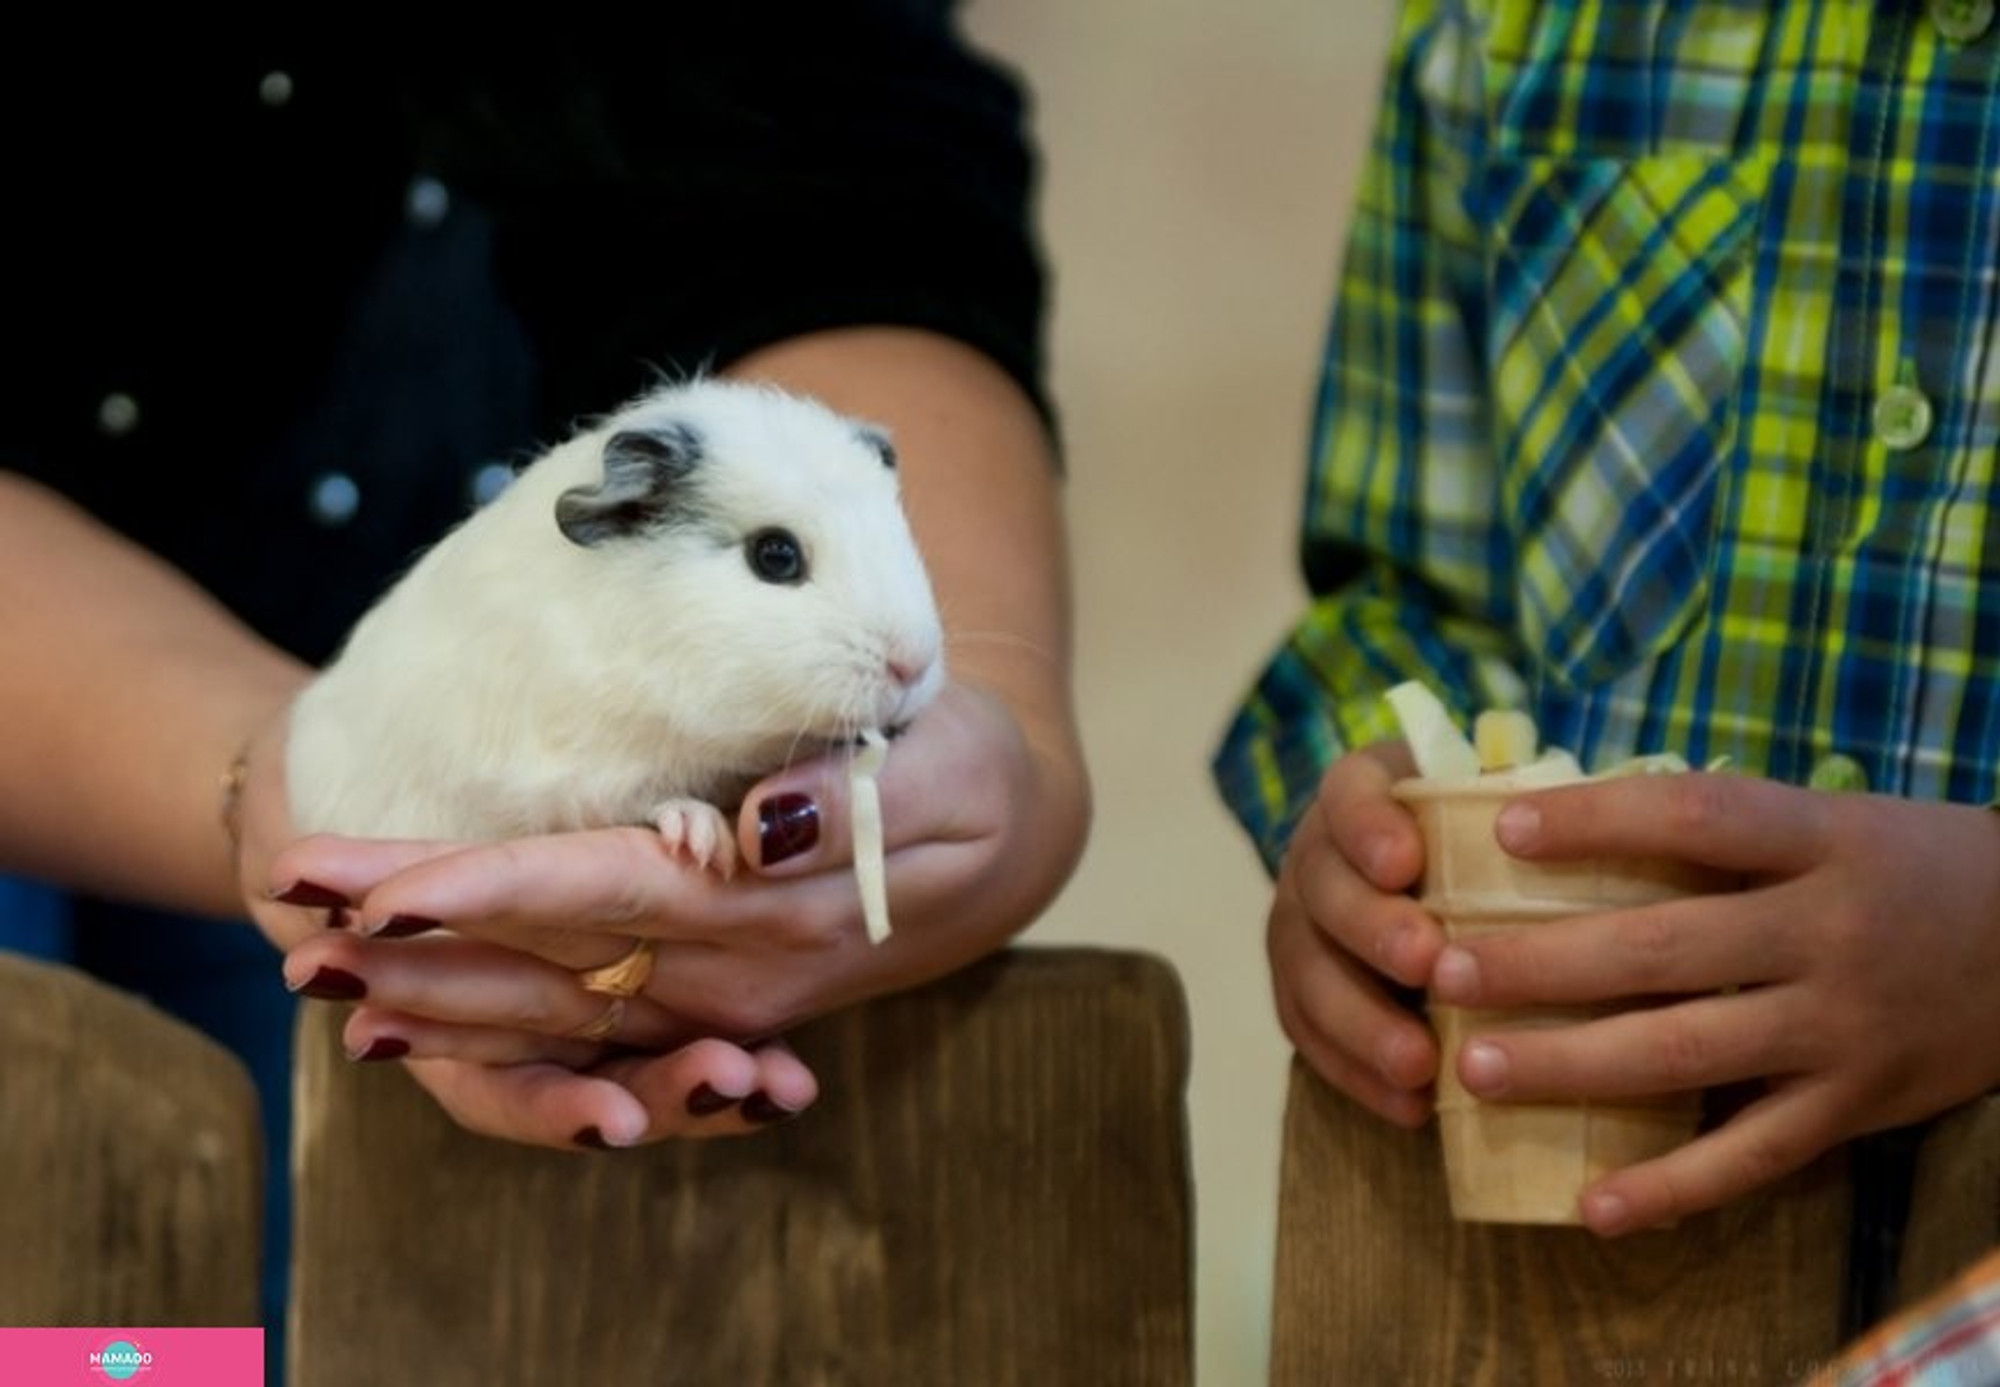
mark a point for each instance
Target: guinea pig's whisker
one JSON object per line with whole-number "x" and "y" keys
{"x": 958, "y": 639}
{"x": 793, "y": 754}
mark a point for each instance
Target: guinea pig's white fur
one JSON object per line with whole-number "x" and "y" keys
{"x": 595, "y": 648}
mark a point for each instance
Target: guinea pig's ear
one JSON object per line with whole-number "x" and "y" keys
{"x": 645, "y": 486}
{"x": 875, "y": 438}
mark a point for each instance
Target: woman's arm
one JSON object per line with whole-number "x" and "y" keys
{"x": 125, "y": 694}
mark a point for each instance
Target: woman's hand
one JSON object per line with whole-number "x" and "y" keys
{"x": 470, "y": 1053}
{"x": 1851, "y": 982}
{"x": 981, "y": 826}
{"x": 1344, "y": 936}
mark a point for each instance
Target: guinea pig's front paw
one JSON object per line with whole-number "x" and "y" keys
{"x": 698, "y": 831}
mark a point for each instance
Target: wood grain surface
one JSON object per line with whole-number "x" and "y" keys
{"x": 1377, "y": 1284}
{"x": 993, "y": 1188}
{"x": 1955, "y": 1207}
{"x": 131, "y": 1163}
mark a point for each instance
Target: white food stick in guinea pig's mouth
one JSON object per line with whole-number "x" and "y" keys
{"x": 715, "y": 582}
{"x": 870, "y": 866}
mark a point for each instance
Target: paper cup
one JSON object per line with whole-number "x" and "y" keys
{"x": 1520, "y": 1162}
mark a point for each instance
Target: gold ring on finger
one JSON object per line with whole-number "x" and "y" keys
{"x": 601, "y": 1026}
{"x": 623, "y": 978}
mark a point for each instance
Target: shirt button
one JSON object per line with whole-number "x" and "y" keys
{"x": 333, "y": 499}
{"x": 489, "y": 481}
{"x": 1838, "y": 772}
{"x": 1962, "y": 21}
{"x": 1902, "y": 417}
{"x": 275, "y": 89}
{"x": 117, "y": 414}
{"x": 427, "y": 203}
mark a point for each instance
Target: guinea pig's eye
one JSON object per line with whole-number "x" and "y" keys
{"x": 776, "y": 556}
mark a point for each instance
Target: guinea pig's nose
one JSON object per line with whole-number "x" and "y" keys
{"x": 909, "y": 665}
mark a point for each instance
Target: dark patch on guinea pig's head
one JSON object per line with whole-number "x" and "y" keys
{"x": 646, "y": 486}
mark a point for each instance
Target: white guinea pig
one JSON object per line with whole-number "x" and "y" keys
{"x": 716, "y": 581}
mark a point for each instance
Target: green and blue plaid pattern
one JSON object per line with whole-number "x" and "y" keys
{"x": 1661, "y": 398}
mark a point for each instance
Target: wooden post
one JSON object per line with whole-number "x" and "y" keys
{"x": 130, "y": 1158}
{"x": 1377, "y": 1284}
{"x": 993, "y": 1189}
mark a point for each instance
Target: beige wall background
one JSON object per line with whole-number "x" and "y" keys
{"x": 1198, "y": 158}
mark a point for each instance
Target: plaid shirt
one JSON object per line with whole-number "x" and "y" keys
{"x": 1952, "y": 1339}
{"x": 1662, "y": 397}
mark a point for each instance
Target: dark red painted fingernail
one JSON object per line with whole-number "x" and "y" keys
{"x": 591, "y": 1139}
{"x": 758, "y": 1107}
{"x": 333, "y": 985}
{"x": 403, "y": 926}
{"x": 787, "y": 825}
{"x": 310, "y": 893}
{"x": 703, "y": 1101}
{"x": 383, "y": 1047}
